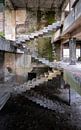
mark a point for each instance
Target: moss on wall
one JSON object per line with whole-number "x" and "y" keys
{"x": 45, "y": 48}
{"x": 50, "y": 17}
{"x": 44, "y": 18}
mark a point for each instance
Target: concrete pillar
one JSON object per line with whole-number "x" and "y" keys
{"x": 10, "y": 24}
{"x": 80, "y": 50}
{"x": 1, "y": 66}
{"x": 72, "y": 49}
{"x": 62, "y": 80}
{"x": 1, "y": 19}
{"x": 63, "y": 16}
{"x": 61, "y": 52}
{"x": 58, "y": 51}
{"x": 23, "y": 66}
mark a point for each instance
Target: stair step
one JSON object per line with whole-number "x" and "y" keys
{"x": 3, "y": 99}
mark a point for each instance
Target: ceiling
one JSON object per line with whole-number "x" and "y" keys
{"x": 35, "y": 4}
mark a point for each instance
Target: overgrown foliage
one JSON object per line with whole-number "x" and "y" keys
{"x": 1, "y": 34}
{"x": 45, "y": 48}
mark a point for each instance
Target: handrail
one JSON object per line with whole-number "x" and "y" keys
{"x": 69, "y": 20}
{"x": 73, "y": 16}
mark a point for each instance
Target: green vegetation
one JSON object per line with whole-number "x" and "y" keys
{"x": 45, "y": 18}
{"x": 50, "y": 17}
{"x": 45, "y": 48}
{"x": 1, "y": 34}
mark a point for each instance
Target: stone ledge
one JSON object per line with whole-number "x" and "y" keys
{"x": 6, "y": 45}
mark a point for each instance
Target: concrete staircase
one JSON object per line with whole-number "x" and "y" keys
{"x": 35, "y": 82}
{"x": 23, "y": 38}
{"x": 45, "y": 102}
{"x": 56, "y": 65}
{"x": 4, "y": 98}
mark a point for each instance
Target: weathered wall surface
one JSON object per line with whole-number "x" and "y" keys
{"x": 26, "y": 21}
{"x": 9, "y": 67}
{"x": 23, "y": 21}
{"x": 17, "y": 65}
{"x": 6, "y": 45}
{"x": 23, "y": 66}
{"x": 10, "y": 61}
{"x": 44, "y": 18}
{"x": 1, "y": 22}
{"x": 1, "y": 19}
{"x": 58, "y": 51}
{"x": 10, "y": 24}
{"x": 1, "y": 66}
{"x": 29, "y": 21}
{"x": 20, "y": 21}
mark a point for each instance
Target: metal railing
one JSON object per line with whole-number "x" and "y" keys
{"x": 78, "y": 10}
{"x": 69, "y": 20}
{"x": 73, "y": 16}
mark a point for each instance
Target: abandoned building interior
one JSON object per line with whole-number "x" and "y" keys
{"x": 40, "y": 64}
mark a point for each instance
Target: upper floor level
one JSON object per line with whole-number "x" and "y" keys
{"x": 70, "y": 19}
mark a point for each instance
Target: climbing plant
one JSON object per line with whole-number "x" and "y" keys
{"x": 1, "y": 34}
{"x": 50, "y": 17}
{"x": 45, "y": 48}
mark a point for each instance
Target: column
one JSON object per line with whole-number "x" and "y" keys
{"x": 1, "y": 18}
{"x": 63, "y": 16}
{"x": 61, "y": 52}
{"x": 10, "y": 24}
{"x": 80, "y": 50}
{"x": 72, "y": 50}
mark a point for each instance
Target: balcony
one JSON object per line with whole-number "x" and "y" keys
{"x": 73, "y": 19}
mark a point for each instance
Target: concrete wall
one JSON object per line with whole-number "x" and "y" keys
{"x": 6, "y": 45}
{"x": 10, "y": 61}
{"x": 23, "y": 66}
{"x": 1, "y": 66}
{"x": 29, "y": 21}
{"x": 1, "y": 18}
{"x": 1, "y": 22}
{"x": 17, "y": 66}
{"x": 57, "y": 54}
{"x": 18, "y": 22}
{"x": 22, "y": 21}
{"x": 10, "y": 24}
{"x": 26, "y": 21}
